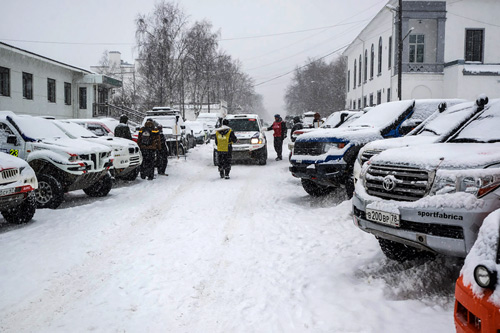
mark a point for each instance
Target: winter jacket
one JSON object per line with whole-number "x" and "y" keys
{"x": 224, "y": 139}
{"x": 296, "y": 126}
{"x": 123, "y": 131}
{"x": 279, "y": 128}
{"x": 154, "y": 141}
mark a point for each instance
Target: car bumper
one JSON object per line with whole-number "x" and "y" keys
{"x": 241, "y": 153}
{"x": 446, "y": 230}
{"x": 321, "y": 173}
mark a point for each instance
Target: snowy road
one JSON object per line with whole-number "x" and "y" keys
{"x": 195, "y": 253}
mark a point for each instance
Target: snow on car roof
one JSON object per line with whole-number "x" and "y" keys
{"x": 235, "y": 116}
{"x": 484, "y": 128}
{"x": 484, "y": 252}
{"x": 382, "y": 115}
{"x": 74, "y": 130}
{"x": 38, "y": 128}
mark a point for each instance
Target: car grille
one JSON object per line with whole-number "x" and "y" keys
{"x": 95, "y": 158}
{"x": 308, "y": 148}
{"x": 243, "y": 141}
{"x": 134, "y": 160}
{"x": 9, "y": 174}
{"x": 398, "y": 183}
{"x": 367, "y": 154}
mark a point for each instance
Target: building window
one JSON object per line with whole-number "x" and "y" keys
{"x": 359, "y": 76}
{"x": 388, "y": 94}
{"x": 27, "y": 85}
{"x": 83, "y": 98}
{"x": 4, "y": 81}
{"x": 364, "y": 102}
{"x": 371, "y": 99}
{"x": 379, "y": 97}
{"x": 67, "y": 93}
{"x": 380, "y": 56}
{"x": 474, "y": 45}
{"x": 354, "y": 75}
{"x": 366, "y": 66}
{"x": 354, "y": 105}
{"x": 348, "y": 80}
{"x": 416, "y": 49}
{"x": 51, "y": 90}
{"x": 359, "y": 103}
{"x": 389, "y": 58}
{"x": 372, "y": 61}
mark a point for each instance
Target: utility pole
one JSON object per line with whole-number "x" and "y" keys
{"x": 400, "y": 48}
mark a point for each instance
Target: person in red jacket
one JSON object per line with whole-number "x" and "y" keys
{"x": 279, "y": 128}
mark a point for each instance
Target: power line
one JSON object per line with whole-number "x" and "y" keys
{"x": 63, "y": 43}
{"x": 471, "y": 19}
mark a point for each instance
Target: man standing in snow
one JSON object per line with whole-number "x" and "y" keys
{"x": 224, "y": 139}
{"x": 162, "y": 154}
{"x": 279, "y": 128}
{"x": 317, "y": 122}
{"x": 149, "y": 142}
{"x": 122, "y": 130}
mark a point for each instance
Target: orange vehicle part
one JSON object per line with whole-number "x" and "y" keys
{"x": 473, "y": 314}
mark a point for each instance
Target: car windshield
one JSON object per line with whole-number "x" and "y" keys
{"x": 382, "y": 115}
{"x": 39, "y": 128}
{"x": 164, "y": 121}
{"x": 74, "y": 130}
{"x": 244, "y": 125}
{"x": 484, "y": 128}
{"x": 449, "y": 120}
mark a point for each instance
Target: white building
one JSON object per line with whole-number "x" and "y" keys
{"x": 451, "y": 49}
{"x": 37, "y": 85}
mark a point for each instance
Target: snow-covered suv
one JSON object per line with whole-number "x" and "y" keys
{"x": 17, "y": 185}
{"x": 61, "y": 164}
{"x": 252, "y": 143}
{"x": 432, "y": 197}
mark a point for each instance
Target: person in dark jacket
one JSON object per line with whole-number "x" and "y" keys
{"x": 297, "y": 125}
{"x": 162, "y": 154}
{"x": 317, "y": 122}
{"x": 224, "y": 139}
{"x": 279, "y": 128}
{"x": 149, "y": 142}
{"x": 122, "y": 130}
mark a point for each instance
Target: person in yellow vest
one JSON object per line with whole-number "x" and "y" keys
{"x": 224, "y": 139}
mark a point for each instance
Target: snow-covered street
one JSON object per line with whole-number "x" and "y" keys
{"x": 195, "y": 253}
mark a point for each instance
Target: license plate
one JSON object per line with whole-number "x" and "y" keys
{"x": 382, "y": 217}
{"x": 7, "y": 191}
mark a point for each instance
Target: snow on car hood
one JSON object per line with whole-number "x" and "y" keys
{"x": 8, "y": 161}
{"x": 349, "y": 134}
{"x": 246, "y": 135}
{"x": 442, "y": 155}
{"x": 74, "y": 145}
{"x": 403, "y": 141}
{"x": 484, "y": 252}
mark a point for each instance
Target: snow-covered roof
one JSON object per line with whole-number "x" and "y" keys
{"x": 480, "y": 69}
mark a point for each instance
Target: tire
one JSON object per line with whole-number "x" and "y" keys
{"x": 50, "y": 193}
{"x": 100, "y": 188}
{"x": 216, "y": 158}
{"x": 349, "y": 186}
{"x": 314, "y": 189}
{"x": 401, "y": 252}
{"x": 132, "y": 175}
{"x": 262, "y": 160}
{"x": 22, "y": 213}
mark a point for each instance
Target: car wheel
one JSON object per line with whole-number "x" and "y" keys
{"x": 132, "y": 175}
{"x": 50, "y": 192}
{"x": 349, "y": 186}
{"x": 216, "y": 158}
{"x": 314, "y": 189}
{"x": 100, "y": 188}
{"x": 22, "y": 213}
{"x": 401, "y": 252}
{"x": 263, "y": 157}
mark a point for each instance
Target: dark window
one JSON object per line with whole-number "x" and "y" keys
{"x": 371, "y": 99}
{"x": 354, "y": 75}
{"x": 364, "y": 102}
{"x": 474, "y": 45}
{"x": 27, "y": 85}
{"x": 372, "y": 61}
{"x": 416, "y": 49}
{"x": 354, "y": 105}
{"x": 389, "y": 58}
{"x": 51, "y": 90}
{"x": 388, "y": 94}
{"x": 4, "y": 81}
{"x": 366, "y": 67}
{"x": 359, "y": 103}
{"x": 67, "y": 93}
{"x": 348, "y": 80}
{"x": 379, "y": 97}
{"x": 83, "y": 97}
{"x": 380, "y": 56}
{"x": 359, "y": 77}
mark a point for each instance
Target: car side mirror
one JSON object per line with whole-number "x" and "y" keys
{"x": 12, "y": 139}
{"x": 183, "y": 127}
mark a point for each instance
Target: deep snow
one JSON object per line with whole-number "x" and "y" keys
{"x": 195, "y": 253}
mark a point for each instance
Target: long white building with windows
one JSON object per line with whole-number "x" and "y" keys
{"x": 36, "y": 85}
{"x": 451, "y": 49}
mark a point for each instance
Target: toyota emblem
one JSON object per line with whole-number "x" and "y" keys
{"x": 389, "y": 183}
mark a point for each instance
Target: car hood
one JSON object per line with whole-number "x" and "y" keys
{"x": 73, "y": 145}
{"x": 8, "y": 161}
{"x": 349, "y": 134}
{"x": 404, "y": 141}
{"x": 246, "y": 135}
{"x": 442, "y": 155}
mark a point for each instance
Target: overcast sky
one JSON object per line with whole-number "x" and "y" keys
{"x": 78, "y": 32}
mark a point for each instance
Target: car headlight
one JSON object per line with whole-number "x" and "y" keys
{"x": 484, "y": 277}
{"x": 327, "y": 146}
{"x": 443, "y": 185}
{"x": 73, "y": 157}
{"x": 478, "y": 185}
{"x": 257, "y": 139}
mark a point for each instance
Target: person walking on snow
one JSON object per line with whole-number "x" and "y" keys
{"x": 162, "y": 154}
{"x": 122, "y": 130}
{"x": 317, "y": 122}
{"x": 279, "y": 128}
{"x": 224, "y": 139}
{"x": 149, "y": 142}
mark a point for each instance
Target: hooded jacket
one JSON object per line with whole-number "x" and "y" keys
{"x": 149, "y": 126}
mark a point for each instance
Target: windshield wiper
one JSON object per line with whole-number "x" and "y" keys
{"x": 467, "y": 140}
{"x": 432, "y": 131}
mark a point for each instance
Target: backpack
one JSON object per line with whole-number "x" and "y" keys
{"x": 147, "y": 137}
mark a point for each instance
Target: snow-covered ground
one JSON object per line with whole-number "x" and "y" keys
{"x": 195, "y": 253}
